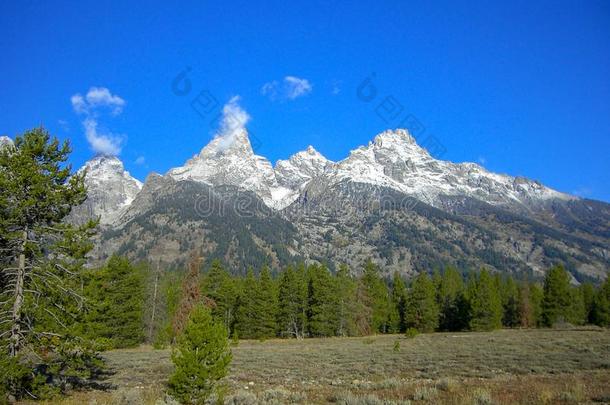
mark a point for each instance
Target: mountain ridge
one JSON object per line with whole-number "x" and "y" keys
{"x": 389, "y": 200}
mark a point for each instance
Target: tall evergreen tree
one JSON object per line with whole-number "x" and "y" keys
{"x": 422, "y": 310}
{"x": 485, "y": 302}
{"x": 322, "y": 319}
{"x": 398, "y": 321}
{"x": 291, "y": 300}
{"x": 219, "y": 287}
{"x": 246, "y": 309}
{"x": 257, "y": 308}
{"x": 509, "y": 294}
{"x": 557, "y": 296}
{"x": 600, "y": 313}
{"x": 588, "y": 294}
{"x": 453, "y": 304}
{"x": 377, "y": 292}
{"x": 116, "y": 295}
{"x": 349, "y": 308}
{"x": 266, "y": 304}
{"x": 42, "y": 254}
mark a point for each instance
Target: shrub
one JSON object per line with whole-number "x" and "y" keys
{"x": 201, "y": 358}
{"x": 411, "y": 333}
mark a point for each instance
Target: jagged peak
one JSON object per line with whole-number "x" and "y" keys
{"x": 5, "y": 140}
{"x": 310, "y": 153}
{"x": 399, "y": 135}
{"x": 108, "y": 165}
{"x": 234, "y": 142}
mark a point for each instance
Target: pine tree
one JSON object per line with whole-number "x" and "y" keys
{"x": 322, "y": 319}
{"x": 257, "y": 306}
{"x": 347, "y": 306}
{"x": 485, "y": 302}
{"x": 536, "y": 298}
{"x": 422, "y": 310}
{"x": 588, "y": 294}
{"x": 220, "y": 289}
{"x": 509, "y": 294}
{"x": 201, "y": 357}
{"x": 377, "y": 292}
{"x": 42, "y": 256}
{"x": 577, "y": 311}
{"x": 399, "y": 304}
{"x": 557, "y": 295}
{"x": 453, "y": 304}
{"x": 246, "y": 311}
{"x": 266, "y": 305}
{"x": 600, "y": 313}
{"x": 115, "y": 294}
{"x": 291, "y": 301}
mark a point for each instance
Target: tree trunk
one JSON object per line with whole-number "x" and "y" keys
{"x": 15, "y": 341}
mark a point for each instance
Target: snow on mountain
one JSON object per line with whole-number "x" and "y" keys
{"x": 395, "y": 160}
{"x": 5, "y": 140}
{"x": 234, "y": 163}
{"x": 300, "y": 168}
{"x": 110, "y": 188}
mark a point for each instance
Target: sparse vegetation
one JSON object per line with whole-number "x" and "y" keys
{"x": 537, "y": 366}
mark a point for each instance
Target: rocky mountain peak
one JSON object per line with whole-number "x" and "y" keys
{"x": 5, "y": 140}
{"x": 234, "y": 143}
{"x": 301, "y": 167}
{"x": 110, "y": 188}
{"x": 230, "y": 160}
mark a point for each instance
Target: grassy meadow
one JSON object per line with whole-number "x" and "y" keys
{"x": 537, "y": 366}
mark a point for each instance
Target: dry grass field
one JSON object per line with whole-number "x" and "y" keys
{"x": 503, "y": 367}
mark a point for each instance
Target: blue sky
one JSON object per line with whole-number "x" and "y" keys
{"x": 523, "y": 88}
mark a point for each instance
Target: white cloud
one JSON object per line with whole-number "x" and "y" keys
{"x": 96, "y": 100}
{"x": 97, "y": 97}
{"x": 140, "y": 160}
{"x": 101, "y": 96}
{"x": 234, "y": 120}
{"x": 102, "y": 143}
{"x": 289, "y": 88}
{"x": 79, "y": 104}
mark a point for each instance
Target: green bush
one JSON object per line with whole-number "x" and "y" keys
{"x": 201, "y": 358}
{"x": 411, "y": 333}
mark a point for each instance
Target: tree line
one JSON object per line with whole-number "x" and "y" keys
{"x": 311, "y": 301}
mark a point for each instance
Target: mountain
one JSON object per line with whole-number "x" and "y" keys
{"x": 5, "y": 140}
{"x": 389, "y": 201}
{"x": 110, "y": 189}
{"x": 300, "y": 168}
{"x": 234, "y": 163}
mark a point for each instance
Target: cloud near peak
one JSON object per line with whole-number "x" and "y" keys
{"x": 233, "y": 121}
{"x": 289, "y": 88}
{"x": 90, "y": 105}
